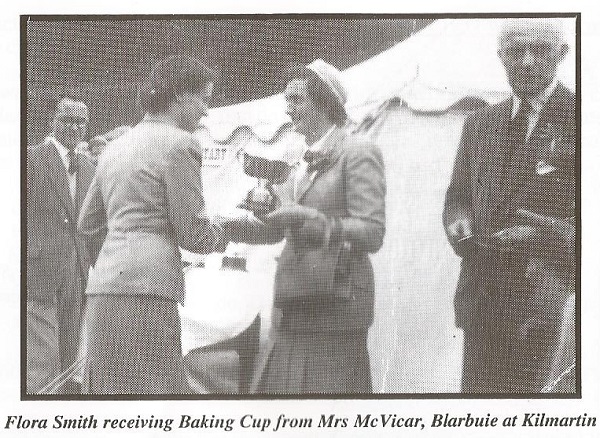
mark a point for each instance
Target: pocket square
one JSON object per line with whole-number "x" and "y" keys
{"x": 543, "y": 168}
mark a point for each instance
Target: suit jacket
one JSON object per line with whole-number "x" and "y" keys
{"x": 479, "y": 190}
{"x": 147, "y": 199}
{"x": 349, "y": 186}
{"x": 52, "y": 221}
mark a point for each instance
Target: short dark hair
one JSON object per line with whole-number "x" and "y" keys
{"x": 56, "y": 98}
{"x": 172, "y": 76}
{"x": 320, "y": 93}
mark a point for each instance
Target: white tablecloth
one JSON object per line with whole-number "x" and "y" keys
{"x": 221, "y": 303}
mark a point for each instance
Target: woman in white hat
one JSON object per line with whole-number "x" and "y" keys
{"x": 332, "y": 216}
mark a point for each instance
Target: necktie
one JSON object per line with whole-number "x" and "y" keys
{"x": 517, "y": 134}
{"x": 520, "y": 171}
{"x": 520, "y": 125}
{"x": 513, "y": 167}
{"x": 72, "y": 162}
{"x": 310, "y": 157}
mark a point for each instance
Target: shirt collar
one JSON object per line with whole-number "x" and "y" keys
{"x": 537, "y": 102}
{"x": 318, "y": 145}
{"x": 62, "y": 149}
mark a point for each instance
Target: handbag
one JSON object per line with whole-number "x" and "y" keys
{"x": 306, "y": 272}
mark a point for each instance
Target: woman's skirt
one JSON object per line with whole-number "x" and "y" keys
{"x": 134, "y": 346}
{"x": 331, "y": 362}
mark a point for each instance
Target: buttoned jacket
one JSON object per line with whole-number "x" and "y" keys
{"x": 52, "y": 235}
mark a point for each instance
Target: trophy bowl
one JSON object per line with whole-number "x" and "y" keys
{"x": 274, "y": 171}
{"x": 262, "y": 199}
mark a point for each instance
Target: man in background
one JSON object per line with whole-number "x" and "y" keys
{"x": 508, "y": 213}
{"x": 57, "y": 261}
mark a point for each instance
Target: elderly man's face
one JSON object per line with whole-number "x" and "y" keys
{"x": 301, "y": 108}
{"x": 531, "y": 51}
{"x": 69, "y": 124}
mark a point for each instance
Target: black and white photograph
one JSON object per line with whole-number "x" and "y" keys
{"x": 271, "y": 221}
{"x": 238, "y": 206}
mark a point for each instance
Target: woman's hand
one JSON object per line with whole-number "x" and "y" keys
{"x": 292, "y": 216}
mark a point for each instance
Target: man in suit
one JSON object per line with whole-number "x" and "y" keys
{"x": 507, "y": 213}
{"x": 57, "y": 260}
{"x": 332, "y": 216}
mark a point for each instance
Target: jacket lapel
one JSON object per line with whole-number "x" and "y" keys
{"x": 331, "y": 151}
{"x": 58, "y": 176}
{"x": 552, "y": 118}
{"x": 554, "y": 113}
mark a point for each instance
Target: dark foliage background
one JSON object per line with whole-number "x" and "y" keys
{"x": 105, "y": 61}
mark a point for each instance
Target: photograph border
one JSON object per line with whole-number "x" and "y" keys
{"x": 24, "y": 19}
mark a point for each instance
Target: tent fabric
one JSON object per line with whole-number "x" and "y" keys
{"x": 414, "y": 110}
{"x": 214, "y": 315}
{"x": 413, "y": 343}
{"x": 444, "y": 63}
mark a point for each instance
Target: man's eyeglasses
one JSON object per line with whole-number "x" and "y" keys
{"x": 537, "y": 50}
{"x": 73, "y": 121}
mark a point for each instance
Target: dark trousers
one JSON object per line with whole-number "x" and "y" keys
{"x": 506, "y": 350}
{"x": 53, "y": 330}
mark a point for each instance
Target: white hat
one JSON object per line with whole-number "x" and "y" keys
{"x": 331, "y": 77}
